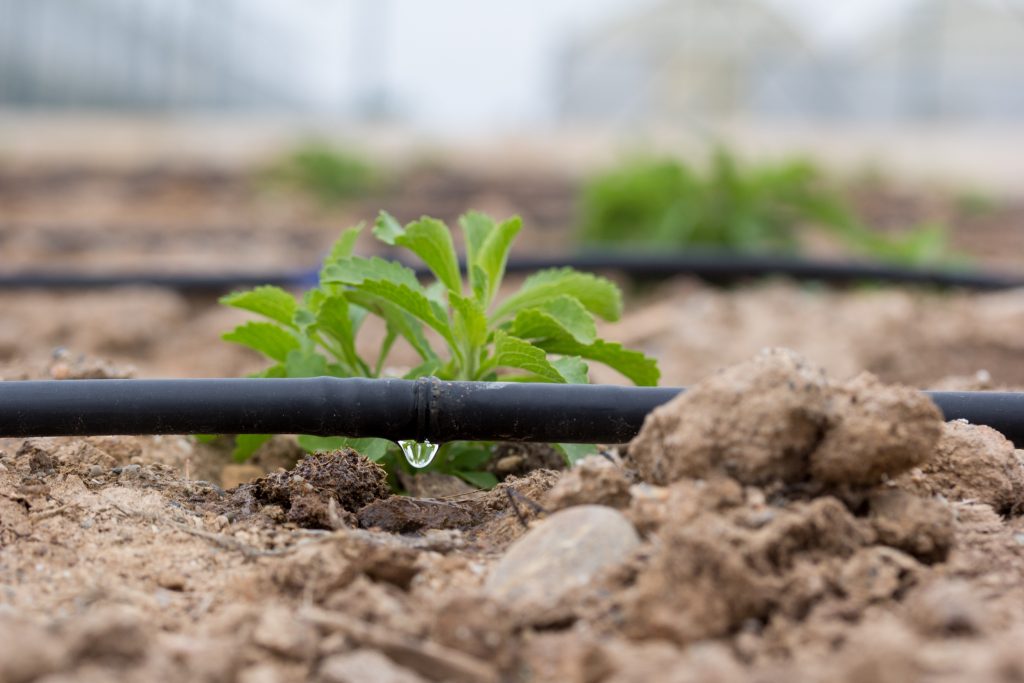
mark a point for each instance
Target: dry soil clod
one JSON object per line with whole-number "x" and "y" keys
{"x": 778, "y": 420}
{"x": 756, "y": 422}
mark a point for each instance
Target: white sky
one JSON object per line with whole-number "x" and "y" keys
{"x": 478, "y": 66}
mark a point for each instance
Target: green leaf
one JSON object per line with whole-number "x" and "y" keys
{"x": 304, "y": 363}
{"x": 412, "y": 301}
{"x": 205, "y": 438}
{"x": 387, "y": 228}
{"x": 247, "y": 444}
{"x": 640, "y": 369}
{"x": 478, "y": 282}
{"x": 425, "y": 369}
{"x": 513, "y": 352}
{"x": 470, "y": 320}
{"x": 597, "y": 294}
{"x": 429, "y": 239}
{"x": 574, "y": 452}
{"x": 373, "y": 449}
{"x": 572, "y": 369}
{"x": 267, "y": 338}
{"x": 275, "y": 371}
{"x": 334, "y": 319}
{"x": 476, "y": 227}
{"x": 560, "y": 317}
{"x": 400, "y": 321}
{"x": 487, "y": 247}
{"x": 356, "y": 270}
{"x": 343, "y": 246}
{"x": 481, "y": 480}
{"x": 467, "y": 456}
{"x": 268, "y": 301}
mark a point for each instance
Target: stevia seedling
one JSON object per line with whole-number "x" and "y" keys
{"x": 544, "y": 332}
{"x": 740, "y": 207}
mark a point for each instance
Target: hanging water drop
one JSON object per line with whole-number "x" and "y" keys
{"x": 418, "y": 454}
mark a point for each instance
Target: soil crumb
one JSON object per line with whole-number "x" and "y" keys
{"x": 320, "y": 486}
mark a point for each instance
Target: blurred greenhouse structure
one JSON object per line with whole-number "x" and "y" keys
{"x": 940, "y": 60}
{"x": 145, "y": 55}
{"x": 674, "y": 62}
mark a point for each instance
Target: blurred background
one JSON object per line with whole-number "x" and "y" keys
{"x": 242, "y": 135}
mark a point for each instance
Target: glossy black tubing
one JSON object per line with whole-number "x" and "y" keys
{"x": 389, "y": 408}
{"x": 716, "y": 267}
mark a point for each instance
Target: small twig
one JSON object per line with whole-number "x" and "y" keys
{"x": 53, "y": 512}
{"x": 529, "y": 502}
{"x": 515, "y": 508}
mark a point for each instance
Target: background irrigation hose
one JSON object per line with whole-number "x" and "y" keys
{"x": 424, "y": 409}
{"x": 716, "y": 267}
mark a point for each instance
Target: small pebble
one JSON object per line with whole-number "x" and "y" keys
{"x": 562, "y": 553}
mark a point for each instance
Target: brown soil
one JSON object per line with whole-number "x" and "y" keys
{"x": 791, "y": 527}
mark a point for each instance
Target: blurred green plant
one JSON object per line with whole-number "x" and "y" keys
{"x": 543, "y": 332}
{"x": 328, "y": 173}
{"x": 767, "y": 207}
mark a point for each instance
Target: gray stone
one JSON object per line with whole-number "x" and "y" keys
{"x": 563, "y": 553}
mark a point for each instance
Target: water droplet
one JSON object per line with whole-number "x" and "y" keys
{"x": 418, "y": 454}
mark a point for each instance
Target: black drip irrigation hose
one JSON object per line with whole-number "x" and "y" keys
{"x": 715, "y": 267}
{"x": 426, "y": 409}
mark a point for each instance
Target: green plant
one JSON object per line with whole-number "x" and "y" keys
{"x": 328, "y": 173}
{"x": 664, "y": 202}
{"x": 543, "y": 332}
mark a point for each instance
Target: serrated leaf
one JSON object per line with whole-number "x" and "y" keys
{"x": 371, "y": 448}
{"x": 476, "y": 227}
{"x": 634, "y": 365}
{"x": 387, "y": 228}
{"x": 470, "y": 320}
{"x": 412, "y": 301}
{"x": 431, "y": 240}
{"x": 574, "y": 452}
{"x": 493, "y": 255}
{"x": 513, "y": 352}
{"x": 267, "y": 338}
{"x": 356, "y": 270}
{"x": 478, "y": 283}
{"x": 305, "y": 363}
{"x": 405, "y": 324}
{"x": 334, "y": 319}
{"x": 267, "y": 300}
{"x": 572, "y": 369}
{"x": 437, "y": 292}
{"x": 487, "y": 246}
{"x": 597, "y": 294}
{"x": 247, "y": 444}
{"x": 560, "y": 317}
{"x": 343, "y": 246}
{"x": 481, "y": 480}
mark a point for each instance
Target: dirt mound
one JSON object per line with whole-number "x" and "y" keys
{"x": 777, "y": 419}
